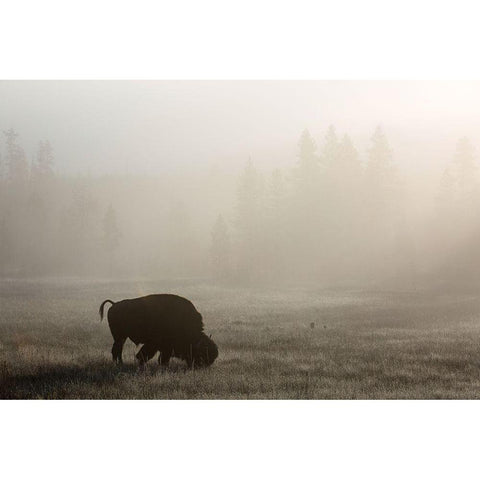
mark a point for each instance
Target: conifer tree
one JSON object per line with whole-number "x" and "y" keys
{"x": 276, "y": 223}
{"x": 331, "y": 149}
{"x": 381, "y": 203}
{"x": 348, "y": 159}
{"x": 43, "y": 165}
{"x": 16, "y": 161}
{"x": 379, "y": 169}
{"x": 307, "y": 166}
{"x": 380, "y": 179}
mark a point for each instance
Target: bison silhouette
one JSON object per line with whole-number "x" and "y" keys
{"x": 163, "y": 323}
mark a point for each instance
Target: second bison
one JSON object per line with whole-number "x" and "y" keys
{"x": 166, "y": 323}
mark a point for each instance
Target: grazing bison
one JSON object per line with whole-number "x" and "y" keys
{"x": 166, "y": 323}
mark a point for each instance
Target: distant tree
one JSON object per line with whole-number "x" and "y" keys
{"x": 14, "y": 198}
{"x": 456, "y": 227}
{"x": 16, "y": 161}
{"x": 342, "y": 205}
{"x": 78, "y": 235}
{"x": 276, "y": 223}
{"x": 307, "y": 166}
{"x": 38, "y": 213}
{"x": 306, "y": 207}
{"x": 349, "y": 160}
{"x": 7, "y": 260}
{"x": 82, "y": 207}
{"x": 331, "y": 149}
{"x": 459, "y": 195}
{"x": 330, "y": 185}
{"x": 220, "y": 250}
{"x": 381, "y": 203}
{"x": 277, "y": 193}
{"x": 36, "y": 235}
{"x": 379, "y": 170}
{"x": 380, "y": 178}
{"x": 44, "y": 161}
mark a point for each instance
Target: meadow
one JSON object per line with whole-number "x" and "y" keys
{"x": 363, "y": 344}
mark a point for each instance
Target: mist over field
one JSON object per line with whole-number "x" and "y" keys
{"x": 327, "y": 231}
{"x": 350, "y": 183}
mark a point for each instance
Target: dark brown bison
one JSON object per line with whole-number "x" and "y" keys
{"x": 168, "y": 324}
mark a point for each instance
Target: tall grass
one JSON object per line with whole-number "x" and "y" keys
{"x": 362, "y": 345}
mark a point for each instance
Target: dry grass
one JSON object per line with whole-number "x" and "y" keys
{"x": 364, "y": 345}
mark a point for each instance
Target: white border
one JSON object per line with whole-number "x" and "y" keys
{"x": 238, "y": 440}
{"x": 251, "y": 39}
{"x": 238, "y": 40}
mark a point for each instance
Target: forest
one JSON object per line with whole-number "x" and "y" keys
{"x": 338, "y": 216}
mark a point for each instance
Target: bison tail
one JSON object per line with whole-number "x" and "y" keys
{"x": 100, "y": 310}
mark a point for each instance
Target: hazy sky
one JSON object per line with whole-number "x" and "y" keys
{"x": 151, "y": 126}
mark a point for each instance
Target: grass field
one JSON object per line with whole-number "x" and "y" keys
{"x": 363, "y": 345}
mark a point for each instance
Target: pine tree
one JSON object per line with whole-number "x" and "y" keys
{"x": 382, "y": 216}
{"x": 343, "y": 205}
{"x": 15, "y": 198}
{"x": 380, "y": 179}
{"x": 348, "y": 159}
{"x": 330, "y": 186}
{"x": 379, "y": 169}
{"x": 43, "y": 165}
{"x": 276, "y": 223}
{"x": 80, "y": 229}
{"x": 6, "y": 245}
{"x": 459, "y": 197}
{"x": 346, "y": 178}
{"x": 277, "y": 193}
{"x": 307, "y": 167}
{"x": 306, "y": 209}
{"x": 16, "y": 161}
{"x": 457, "y": 216}
{"x": 331, "y": 149}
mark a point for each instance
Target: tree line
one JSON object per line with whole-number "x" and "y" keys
{"x": 332, "y": 217}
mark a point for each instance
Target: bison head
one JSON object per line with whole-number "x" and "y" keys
{"x": 205, "y": 351}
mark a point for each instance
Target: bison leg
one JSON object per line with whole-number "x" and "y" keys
{"x": 146, "y": 353}
{"x": 189, "y": 357}
{"x": 117, "y": 350}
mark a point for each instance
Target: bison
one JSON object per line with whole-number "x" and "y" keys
{"x": 163, "y": 323}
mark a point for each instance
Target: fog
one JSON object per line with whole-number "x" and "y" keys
{"x": 338, "y": 183}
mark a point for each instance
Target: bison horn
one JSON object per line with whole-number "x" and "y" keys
{"x": 210, "y": 336}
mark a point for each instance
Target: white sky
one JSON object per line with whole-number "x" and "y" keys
{"x": 153, "y": 126}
